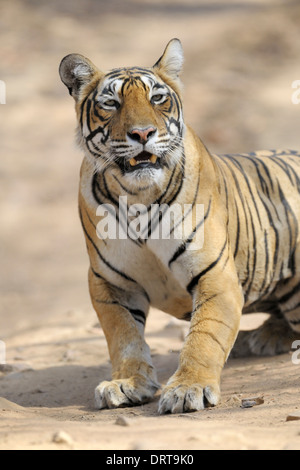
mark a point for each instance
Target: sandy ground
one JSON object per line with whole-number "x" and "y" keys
{"x": 55, "y": 368}
{"x": 241, "y": 60}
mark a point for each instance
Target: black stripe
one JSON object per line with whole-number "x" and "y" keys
{"x": 109, "y": 265}
{"x": 108, "y": 282}
{"x": 138, "y": 79}
{"x": 182, "y": 174}
{"x": 213, "y": 337}
{"x": 266, "y": 262}
{"x": 107, "y": 190}
{"x": 239, "y": 193}
{"x": 107, "y": 302}
{"x": 96, "y": 154}
{"x": 288, "y": 169}
{"x": 253, "y": 264}
{"x": 138, "y": 315}
{"x": 281, "y": 276}
{"x": 178, "y": 103}
{"x": 115, "y": 73}
{"x": 92, "y": 223}
{"x": 97, "y": 274}
{"x": 285, "y": 298}
{"x": 256, "y": 160}
{"x": 276, "y": 233}
{"x": 158, "y": 201}
{"x": 187, "y": 316}
{"x": 182, "y": 248}
{"x": 178, "y": 252}
{"x": 166, "y": 207}
{"x": 195, "y": 280}
{"x": 128, "y": 191}
{"x": 191, "y": 208}
{"x": 124, "y": 84}
{"x": 203, "y": 302}
{"x": 242, "y": 171}
{"x": 99, "y": 129}
{"x": 87, "y": 102}
{"x": 82, "y": 106}
{"x": 292, "y": 309}
{"x": 95, "y": 186}
{"x": 244, "y": 282}
{"x": 117, "y": 271}
{"x": 237, "y": 240}
{"x": 294, "y": 322}
{"x": 88, "y": 114}
{"x": 288, "y": 210}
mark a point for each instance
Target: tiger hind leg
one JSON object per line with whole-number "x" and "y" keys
{"x": 278, "y": 333}
{"x": 274, "y": 336}
{"x": 290, "y": 306}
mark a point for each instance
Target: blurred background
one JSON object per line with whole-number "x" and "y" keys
{"x": 241, "y": 58}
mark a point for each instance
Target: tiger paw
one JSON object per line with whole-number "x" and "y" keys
{"x": 125, "y": 392}
{"x": 180, "y": 397}
{"x": 274, "y": 336}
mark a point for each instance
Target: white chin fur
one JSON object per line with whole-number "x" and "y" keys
{"x": 144, "y": 176}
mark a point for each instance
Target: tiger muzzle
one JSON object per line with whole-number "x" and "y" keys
{"x": 143, "y": 160}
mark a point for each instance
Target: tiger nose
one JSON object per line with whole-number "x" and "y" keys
{"x": 142, "y": 135}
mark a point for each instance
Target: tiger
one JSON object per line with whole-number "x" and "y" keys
{"x": 138, "y": 150}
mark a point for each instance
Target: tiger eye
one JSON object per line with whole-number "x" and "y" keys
{"x": 158, "y": 99}
{"x": 112, "y": 104}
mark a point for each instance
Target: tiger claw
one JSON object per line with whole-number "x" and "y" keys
{"x": 186, "y": 398}
{"x": 124, "y": 392}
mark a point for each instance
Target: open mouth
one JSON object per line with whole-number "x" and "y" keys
{"x": 143, "y": 160}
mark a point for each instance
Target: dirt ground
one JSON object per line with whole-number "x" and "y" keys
{"x": 241, "y": 60}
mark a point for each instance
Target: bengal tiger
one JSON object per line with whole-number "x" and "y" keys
{"x": 139, "y": 150}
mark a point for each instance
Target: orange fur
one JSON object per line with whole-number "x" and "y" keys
{"x": 251, "y": 253}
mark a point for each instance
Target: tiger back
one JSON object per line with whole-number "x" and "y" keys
{"x": 167, "y": 224}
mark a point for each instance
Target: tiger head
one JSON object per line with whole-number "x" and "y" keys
{"x": 129, "y": 119}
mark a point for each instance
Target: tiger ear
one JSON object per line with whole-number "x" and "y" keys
{"x": 76, "y": 71}
{"x": 170, "y": 63}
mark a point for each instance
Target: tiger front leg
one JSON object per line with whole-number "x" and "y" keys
{"x": 133, "y": 376}
{"x": 214, "y": 326}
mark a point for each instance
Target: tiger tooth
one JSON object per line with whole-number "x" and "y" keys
{"x": 133, "y": 162}
{"x": 153, "y": 159}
